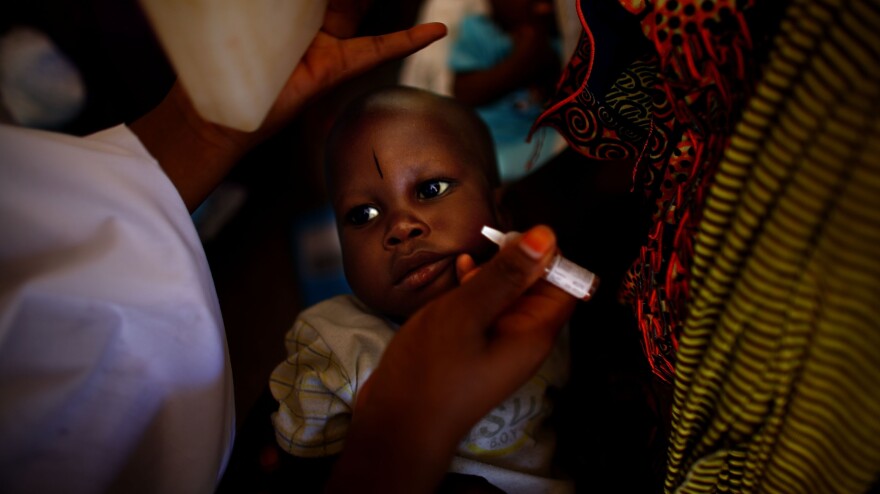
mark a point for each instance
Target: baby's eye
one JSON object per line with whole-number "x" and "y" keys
{"x": 360, "y": 215}
{"x": 432, "y": 189}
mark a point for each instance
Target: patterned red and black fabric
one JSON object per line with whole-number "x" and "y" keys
{"x": 670, "y": 113}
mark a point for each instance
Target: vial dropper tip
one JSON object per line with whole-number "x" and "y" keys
{"x": 492, "y": 234}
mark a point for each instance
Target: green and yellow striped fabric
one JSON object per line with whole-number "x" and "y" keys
{"x": 777, "y": 385}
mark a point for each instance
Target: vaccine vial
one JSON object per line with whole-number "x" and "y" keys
{"x": 563, "y": 273}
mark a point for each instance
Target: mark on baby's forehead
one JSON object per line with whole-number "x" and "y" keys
{"x": 378, "y": 168}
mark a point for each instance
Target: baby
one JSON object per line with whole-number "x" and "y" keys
{"x": 411, "y": 177}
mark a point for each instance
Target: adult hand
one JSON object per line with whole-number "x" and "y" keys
{"x": 197, "y": 154}
{"x": 449, "y": 365}
{"x": 335, "y": 56}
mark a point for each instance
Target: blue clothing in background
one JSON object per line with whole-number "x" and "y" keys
{"x": 481, "y": 45}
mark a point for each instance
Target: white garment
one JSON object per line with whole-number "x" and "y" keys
{"x": 333, "y": 348}
{"x": 114, "y": 374}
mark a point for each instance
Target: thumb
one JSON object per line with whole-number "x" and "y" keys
{"x": 503, "y": 279}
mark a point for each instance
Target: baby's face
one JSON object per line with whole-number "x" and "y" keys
{"x": 408, "y": 200}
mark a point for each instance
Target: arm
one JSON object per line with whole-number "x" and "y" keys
{"x": 196, "y": 154}
{"x": 464, "y": 353}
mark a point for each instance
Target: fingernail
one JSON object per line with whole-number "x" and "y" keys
{"x": 536, "y": 242}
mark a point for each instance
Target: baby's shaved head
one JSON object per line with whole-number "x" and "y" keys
{"x": 470, "y": 131}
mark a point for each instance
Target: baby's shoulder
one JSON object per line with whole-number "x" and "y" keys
{"x": 343, "y": 313}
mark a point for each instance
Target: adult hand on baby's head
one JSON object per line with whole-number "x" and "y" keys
{"x": 450, "y": 364}
{"x": 201, "y": 153}
{"x": 335, "y": 54}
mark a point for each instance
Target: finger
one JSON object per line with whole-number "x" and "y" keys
{"x": 521, "y": 345}
{"x": 465, "y": 267}
{"x": 362, "y": 393}
{"x": 541, "y": 311}
{"x": 343, "y": 17}
{"x": 363, "y": 53}
{"x": 504, "y": 278}
{"x": 330, "y": 60}
{"x": 526, "y": 334}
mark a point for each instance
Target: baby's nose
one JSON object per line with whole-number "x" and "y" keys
{"x": 404, "y": 229}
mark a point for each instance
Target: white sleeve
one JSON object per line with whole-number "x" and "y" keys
{"x": 314, "y": 393}
{"x": 114, "y": 375}
{"x": 332, "y": 350}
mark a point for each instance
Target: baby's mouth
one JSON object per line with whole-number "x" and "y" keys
{"x": 420, "y": 269}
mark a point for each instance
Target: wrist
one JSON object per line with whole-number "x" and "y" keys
{"x": 213, "y": 140}
{"x": 401, "y": 438}
{"x": 391, "y": 451}
{"x": 195, "y": 154}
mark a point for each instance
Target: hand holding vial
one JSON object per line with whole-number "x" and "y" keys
{"x": 563, "y": 273}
